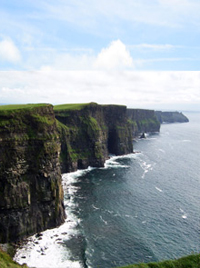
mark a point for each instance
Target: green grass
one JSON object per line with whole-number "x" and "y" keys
{"x": 7, "y": 262}
{"x": 21, "y": 106}
{"x": 191, "y": 261}
{"x": 71, "y": 106}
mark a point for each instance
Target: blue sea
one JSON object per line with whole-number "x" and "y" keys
{"x": 140, "y": 207}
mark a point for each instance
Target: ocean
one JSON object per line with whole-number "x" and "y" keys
{"x": 140, "y": 207}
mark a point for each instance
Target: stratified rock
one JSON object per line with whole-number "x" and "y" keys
{"x": 31, "y": 194}
{"x": 143, "y": 121}
{"x": 171, "y": 117}
{"x": 89, "y": 132}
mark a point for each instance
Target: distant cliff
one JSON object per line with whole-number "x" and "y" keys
{"x": 143, "y": 121}
{"x": 31, "y": 195}
{"x": 90, "y": 132}
{"x": 171, "y": 117}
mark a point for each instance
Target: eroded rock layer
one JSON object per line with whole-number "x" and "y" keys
{"x": 31, "y": 195}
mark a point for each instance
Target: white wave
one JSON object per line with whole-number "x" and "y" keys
{"x": 73, "y": 176}
{"x": 161, "y": 150}
{"x": 112, "y": 163}
{"x": 95, "y": 207}
{"x": 145, "y": 166}
{"x": 184, "y": 216}
{"x": 159, "y": 189}
{"x": 48, "y": 249}
{"x": 103, "y": 220}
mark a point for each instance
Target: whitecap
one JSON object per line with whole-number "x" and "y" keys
{"x": 112, "y": 163}
{"x": 184, "y": 216}
{"x": 95, "y": 207}
{"x": 103, "y": 220}
{"x": 158, "y": 189}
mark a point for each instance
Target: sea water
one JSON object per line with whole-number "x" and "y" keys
{"x": 140, "y": 207}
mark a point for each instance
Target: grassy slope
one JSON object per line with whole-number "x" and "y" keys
{"x": 7, "y": 262}
{"x": 71, "y": 106}
{"x": 191, "y": 261}
{"x": 21, "y": 106}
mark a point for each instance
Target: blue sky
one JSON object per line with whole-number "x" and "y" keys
{"x": 137, "y": 37}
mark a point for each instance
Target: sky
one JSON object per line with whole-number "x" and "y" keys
{"x": 140, "y": 53}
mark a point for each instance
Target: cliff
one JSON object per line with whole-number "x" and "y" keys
{"x": 143, "y": 121}
{"x": 31, "y": 195}
{"x": 171, "y": 117}
{"x": 90, "y": 132}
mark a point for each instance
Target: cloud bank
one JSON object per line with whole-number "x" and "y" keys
{"x": 156, "y": 90}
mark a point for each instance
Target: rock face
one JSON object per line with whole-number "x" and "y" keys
{"x": 143, "y": 121}
{"x": 88, "y": 133}
{"x": 31, "y": 195}
{"x": 171, "y": 117}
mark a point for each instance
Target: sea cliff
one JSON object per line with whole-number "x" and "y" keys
{"x": 90, "y": 132}
{"x": 31, "y": 195}
{"x": 143, "y": 121}
{"x": 171, "y": 117}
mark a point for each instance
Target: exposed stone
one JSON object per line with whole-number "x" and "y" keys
{"x": 143, "y": 121}
{"x": 89, "y": 134}
{"x": 31, "y": 195}
{"x": 171, "y": 117}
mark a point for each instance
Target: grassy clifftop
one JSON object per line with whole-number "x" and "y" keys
{"x": 191, "y": 261}
{"x": 7, "y": 262}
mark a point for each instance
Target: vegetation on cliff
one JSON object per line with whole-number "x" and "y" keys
{"x": 191, "y": 261}
{"x": 31, "y": 196}
{"x": 171, "y": 117}
{"x": 7, "y": 262}
{"x": 89, "y": 132}
{"x": 143, "y": 121}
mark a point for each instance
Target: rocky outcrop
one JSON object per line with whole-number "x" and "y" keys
{"x": 143, "y": 121}
{"x": 90, "y": 132}
{"x": 171, "y": 117}
{"x": 31, "y": 195}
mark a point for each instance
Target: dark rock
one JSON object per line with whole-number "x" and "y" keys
{"x": 143, "y": 136}
{"x": 143, "y": 121}
{"x": 90, "y": 133}
{"x": 171, "y": 117}
{"x": 31, "y": 195}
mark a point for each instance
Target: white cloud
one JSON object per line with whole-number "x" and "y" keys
{"x": 159, "y": 90}
{"x": 115, "y": 56}
{"x": 154, "y": 46}
{"x": 9, "y": 52}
